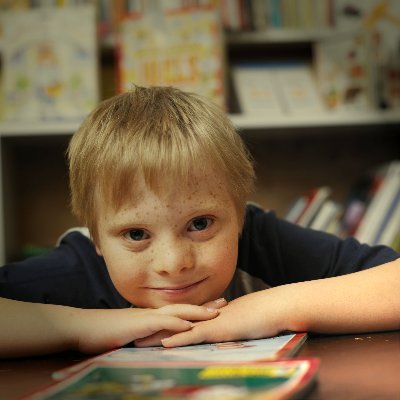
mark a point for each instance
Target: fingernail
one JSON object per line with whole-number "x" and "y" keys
{"x": 221, "y": 300}
{"x": 212, "y": 310}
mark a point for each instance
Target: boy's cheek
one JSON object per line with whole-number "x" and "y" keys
{"x": 222, "y": 257}
{"x": 125, "y": 270}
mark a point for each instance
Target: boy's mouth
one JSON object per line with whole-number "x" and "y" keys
{"x": 179, "y": 289}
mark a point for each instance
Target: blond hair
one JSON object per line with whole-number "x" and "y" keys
{"x": 158, "y": 132}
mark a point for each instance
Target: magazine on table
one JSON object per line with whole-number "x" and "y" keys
{"x": 248, "y": 369}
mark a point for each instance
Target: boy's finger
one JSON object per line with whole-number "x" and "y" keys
{"x": 153, "y": 340}
{"x": 183, "y": 339}
{"x": 150, "y": 326}
{"x": 219, "y": 303}
{"x": 190, "y": 312}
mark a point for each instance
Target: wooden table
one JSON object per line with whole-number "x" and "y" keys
{"x": 362, "y": 367}
{"x": 352, "y": 367}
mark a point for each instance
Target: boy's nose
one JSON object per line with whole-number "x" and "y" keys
{"x": 175, "y": 258}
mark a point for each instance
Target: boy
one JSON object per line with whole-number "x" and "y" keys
{"x": 174, "y": 255}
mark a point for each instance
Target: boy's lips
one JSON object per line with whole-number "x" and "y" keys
{"x": 178, "y": 289}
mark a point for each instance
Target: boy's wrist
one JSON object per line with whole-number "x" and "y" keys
{"x": 72, "y": 325}
{"x": 290, "y": 308}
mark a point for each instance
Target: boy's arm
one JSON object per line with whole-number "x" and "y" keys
{"x": 33, "y": 328}
{"x": 364, "y": 301}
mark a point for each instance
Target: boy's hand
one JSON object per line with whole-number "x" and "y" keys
{"x": 102, "y": 330}
{"x": 155, "y": 339}
{"x": 253, "y": 316}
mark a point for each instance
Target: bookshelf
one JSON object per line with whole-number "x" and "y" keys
{"x": 292, "y": 153}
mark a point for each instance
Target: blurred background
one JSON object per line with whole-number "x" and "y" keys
{"x": 313, "y": 87}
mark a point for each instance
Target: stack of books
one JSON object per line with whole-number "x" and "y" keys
{"x": 371, "y": 213}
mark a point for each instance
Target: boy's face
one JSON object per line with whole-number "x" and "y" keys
{"x": 180, "y": 247}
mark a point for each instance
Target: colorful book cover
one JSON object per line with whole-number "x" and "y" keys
{"x": 49, "y": 60}
{"x": 276, "y": 89}
{"x": 343, "y": 65}
{"x": 228, "y": 352}
{"x": 298, "y": 87}
{"x": 256, "y": 89}
{"x": 182, "y": 48}
{"x": 372, "y": 28}
{"x": 264, "y": 380}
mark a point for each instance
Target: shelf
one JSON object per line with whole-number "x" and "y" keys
{"x": 241, "y": 121}
{"x": 282, "y": 36}
{"x": 327, "y": 119}
{"x": 34, "y": 128}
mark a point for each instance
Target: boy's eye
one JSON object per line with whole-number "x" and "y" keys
{"x": 136, "y": 234}
{"x": 200, "y": 224}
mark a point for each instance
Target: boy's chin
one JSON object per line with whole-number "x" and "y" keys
{"x": 197, "y": 301}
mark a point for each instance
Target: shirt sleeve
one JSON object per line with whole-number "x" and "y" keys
{"x": 72, "y": 274}
{"x": 280, "y": 252}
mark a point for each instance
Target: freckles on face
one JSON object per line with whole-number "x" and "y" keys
{"x": 188, "y": 253}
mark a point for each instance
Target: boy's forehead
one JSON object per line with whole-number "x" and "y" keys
{"x": 205, "y": 184}
{"x": 200, "y": 186}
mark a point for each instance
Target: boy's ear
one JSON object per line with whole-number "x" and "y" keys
{"x": 98, "y": 251}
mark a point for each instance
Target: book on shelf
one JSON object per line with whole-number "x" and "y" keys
{"x": 243, "y": 369}
{"x": 256, "y": 89}
{"x": 181, "y": 47}
{"x": 275, "y": 89}
{"x": 359, "y": 66}
{"x": 359, "y": 195}
{"x": 259, "y": 15}
{"x": 390, "y": 225}
{"x": 391, "y": 231}
{"x": 236, "y": 15}
{"x": 370, "y": 14}
{"x": 383, "y": 203}
{"x": 307, "y": 207}
{"x": 343, "y": 69}
{"x": 299, "y": 92}
{"x": 49, "y": 62}
{"x": 295, "y": 209}
{"x": 327, "y": 217}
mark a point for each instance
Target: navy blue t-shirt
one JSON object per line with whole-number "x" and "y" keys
{"x": 271, "y": 249}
